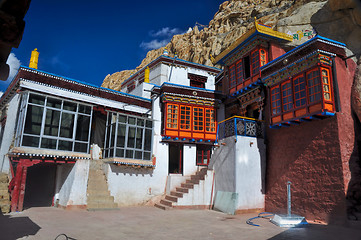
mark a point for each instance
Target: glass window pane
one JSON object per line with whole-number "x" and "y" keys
{"x": 80, "y": 147}
{"x": 37, "y": 99}
{"x": 146, "y": 156}
{"x": 122, "y": 119}
{"x": 131, "y": 120}
{"x": 65, "y": 145}
{"x": 139, "y": 138}
{"x": 67, "y": 125}
{"x": 53, "y": 102}
{"x": 129, "y": 154}
{"x": 140, "y": 122}
{"x": 131, "y": 137}
{"x": 30, "y": 141}
{"x": 69, "y": 106}
{"x": 112, "y": 136}
{"x": 138, "y": 155}
{"x": 33, "y": 120}
{"x": 119, "y": 152}
{"x": 84, "y": 109}
{"x": 52, "y": 122}
{"x": 82, "y": 129}
{"x": 121, "y": 135}
{"x": 148, "y": 139}
{"x": 48, "y": 143}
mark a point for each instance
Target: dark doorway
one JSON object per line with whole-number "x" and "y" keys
{"x": 176, "y": 158}
{"x": 40, "y": 185}
{"x": 252, "y": 111}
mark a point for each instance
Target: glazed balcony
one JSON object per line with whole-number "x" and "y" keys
{"x": 240, "y": 126}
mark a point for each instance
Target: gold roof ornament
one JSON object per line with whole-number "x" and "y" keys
{"x": 257, "y": 28}
{"x": 34, "y": 59}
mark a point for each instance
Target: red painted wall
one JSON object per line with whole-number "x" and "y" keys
{"x": 275, "y": 51}
{"x": 315, "y": 157}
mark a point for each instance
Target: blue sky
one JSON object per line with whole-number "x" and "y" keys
{"x": 86, "y": 40}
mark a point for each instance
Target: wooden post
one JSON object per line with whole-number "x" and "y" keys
{"x": 16, "y": 191}
{"x": 22, "y": 188}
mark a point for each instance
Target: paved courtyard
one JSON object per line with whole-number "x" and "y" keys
{"x": 153, "y": 223}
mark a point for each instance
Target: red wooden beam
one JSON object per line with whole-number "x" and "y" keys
{"x": 22, "y": 189}
{"x": 16, "y": 191}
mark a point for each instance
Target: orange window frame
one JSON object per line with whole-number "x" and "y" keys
{"x": 198, "y": 119}
{"x": 210, "y": 122}
{"x": 313, "y": 85}
{"x": 276, "y": 100}
{"x": 263, "y": 57}
{"x": 172, "y": 116}
{"x": 299, "y": 91}
{"x": 287, "y": 98}
{"x": 232, "y": 76}
{"x": 239, "y": 72}
{"x": 185, "y": 116}
{"x": 326, "y": 84}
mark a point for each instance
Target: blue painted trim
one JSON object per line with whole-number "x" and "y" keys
{"x": 299, "y": 47}
{"x": 328, "y": 114}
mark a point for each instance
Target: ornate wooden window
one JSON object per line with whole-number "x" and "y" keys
{"x": 239, "y": 72}
{"x": 232, "y": 76}
{"x": 210, "y": 120}
{"x": 198, "y": 119}
{"x": 275, "y": 100}
{"x": 172, "y": 116}
{"x": 287, "y": 101}
{"x": 255, "y": 62}
{"x": 185, "y": 117}
{"x": 263, "y": 57}
{"x": 314, "y": 85}
{"x": 299, "y": 85}
{"x": 326, "y": 84}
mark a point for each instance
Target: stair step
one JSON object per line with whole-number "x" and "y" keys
{"x": 192, "y": 181}
{"x": 166, "y": 203}
{"x": 171, "y": 198}
{"x": 91, "y": 206}
{"x": 180, "y": 189}
{"x": 177, "y": 194}
{"x": 187, "y": 185}
{"x": 161, "y": 206}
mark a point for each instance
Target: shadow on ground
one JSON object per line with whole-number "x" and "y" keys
{"x": 316, "y": 232}
{"x": 16, "y": 227}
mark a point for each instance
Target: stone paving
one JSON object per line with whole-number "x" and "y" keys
{"x": 152, "y": 223}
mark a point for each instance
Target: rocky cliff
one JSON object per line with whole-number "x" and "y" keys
{"x": 337, "y": 19}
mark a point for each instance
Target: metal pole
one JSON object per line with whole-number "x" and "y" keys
{"x": 289, "y": 198}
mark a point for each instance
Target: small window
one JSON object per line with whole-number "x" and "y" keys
{"x": 232, "y": 76}
{"x": 314, "y": 85}
{"x": 255, "y": 62}
{"x": 263, "y": 57}
{"x": 185, "y": 117}
{"x": 172, "y": 116}
{"x": 276, "y": 100}
{"x": 326, "y": 84}
{"x": 239, "y": 72}
{"x": 287, "y": 101}
{"x": 198, "y": 119}
{"x": 210, "y": 120}
{"x": 299, "y": 91}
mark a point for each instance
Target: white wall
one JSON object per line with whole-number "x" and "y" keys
{"x": 73, "y": 188}
{"x": 249, "y": 163}
{"x": 9, "y": 133}
{"x": 239, "y": 164}
{"x": 189, "y": 159}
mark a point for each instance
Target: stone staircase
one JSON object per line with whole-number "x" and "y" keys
{"x": 98, "y": 195}
{"x": 168, "y": 201}
{"x": 4, "y": 193}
